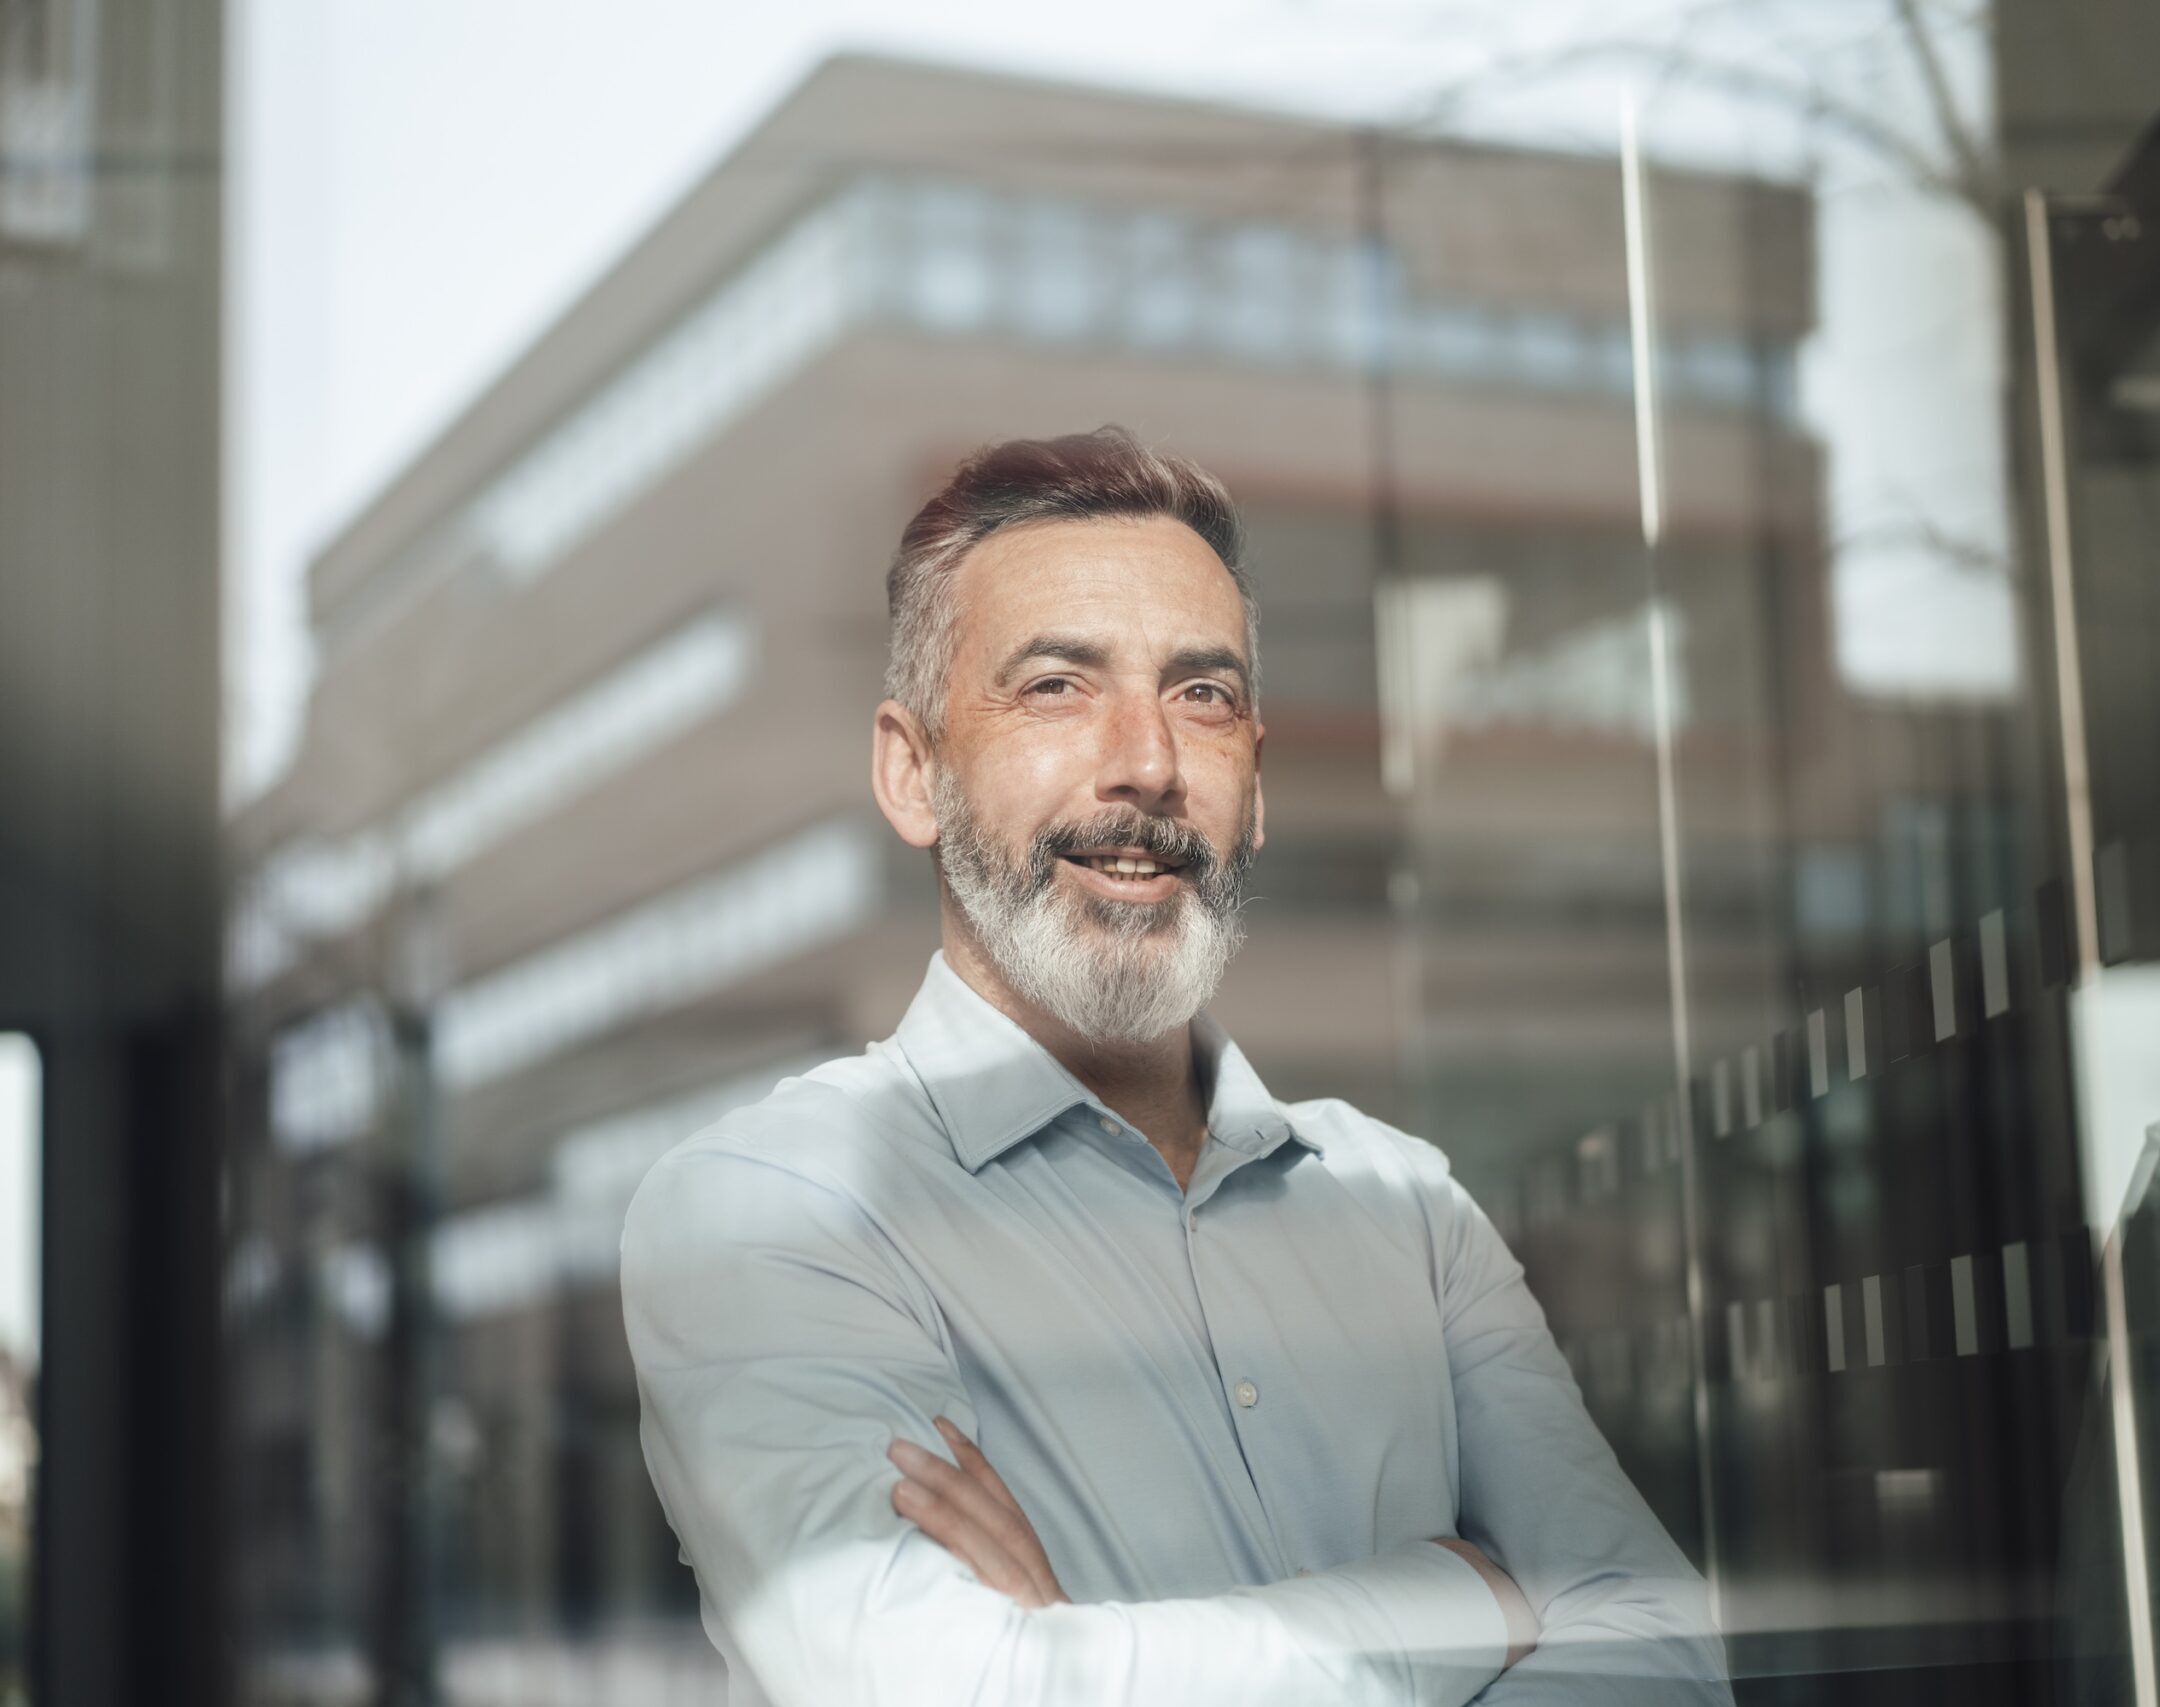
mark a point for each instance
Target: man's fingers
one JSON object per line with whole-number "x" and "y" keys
{"x": 952, "y": 1528}
{"x": 1021, "y": 1540}
{"x": 987, "y": 1505}
{"x": 963, "y": 1490}
{"x": 976, "y": 1465}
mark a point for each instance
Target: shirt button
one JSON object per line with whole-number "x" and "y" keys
{"x": 1107, "y": 1124}
{"x": 1247, "y": 1394}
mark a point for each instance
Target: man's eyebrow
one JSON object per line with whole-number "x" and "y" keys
{"x": 1223, "y": 660}
{"x": 1069, "y": 647}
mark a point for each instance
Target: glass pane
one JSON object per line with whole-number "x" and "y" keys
{"x": 1895, "y": 1228}
{"x": 1521, "y": 725}
{"x": 2095, "y": 350}
{"x": 1682, "y": 478}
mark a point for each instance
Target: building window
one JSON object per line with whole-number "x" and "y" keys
{"x": 1451, "y": 340}
{"x": 950, "y": 286}
{"x": 810, "y": 889}
{"x": 1259, "y": 317}
{"x": 512, "y": 1255}
{"x": 955, "y": 259}
{"x": 327, "y": 1077}
{"x": 1158, "y": 307}
{"x": 48, "y": 118}
{"x": 322, "y": 888}
{"x": 1552, "y": 351}
{"x": 1060, "y": 267}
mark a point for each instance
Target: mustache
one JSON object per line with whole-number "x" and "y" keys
{"x": 1159, "y": 838}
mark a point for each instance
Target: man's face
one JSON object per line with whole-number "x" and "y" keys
{"x": 1097, "y": 787}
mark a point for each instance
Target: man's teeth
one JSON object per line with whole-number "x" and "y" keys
{"x": 1121, "y": 866}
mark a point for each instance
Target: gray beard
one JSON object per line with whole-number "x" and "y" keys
{"x": 1111, "y": 971}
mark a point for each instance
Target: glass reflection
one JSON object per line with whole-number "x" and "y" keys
{"x": 1678, "y": 843}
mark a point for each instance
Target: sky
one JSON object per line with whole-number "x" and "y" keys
{"x": 418, "y": 187}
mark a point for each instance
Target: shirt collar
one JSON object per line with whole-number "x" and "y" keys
{"x": 993, "y": 1085}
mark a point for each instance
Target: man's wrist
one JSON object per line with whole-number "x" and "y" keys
{"x": 1522, "y": 1624}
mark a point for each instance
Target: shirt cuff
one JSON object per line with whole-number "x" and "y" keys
{"x": 1439, "y": 1608}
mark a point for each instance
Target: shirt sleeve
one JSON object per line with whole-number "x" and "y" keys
{"x": 1624, "y": 1617}
{"x": 780, "y": 1346}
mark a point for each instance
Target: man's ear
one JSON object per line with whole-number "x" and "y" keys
{"x": 1259, "y": 799}
{"x": 900, "y": 774}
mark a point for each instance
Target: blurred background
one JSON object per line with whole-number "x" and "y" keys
{"x": 1702, "y": 460}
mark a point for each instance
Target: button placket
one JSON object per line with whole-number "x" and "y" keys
{"x": 1242, "y": 1409}
{"x": 1245, "y": 1392}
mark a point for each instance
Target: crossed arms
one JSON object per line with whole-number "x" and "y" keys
{"x": 780, "y": 1354}
{"x": 966, "y": 1508}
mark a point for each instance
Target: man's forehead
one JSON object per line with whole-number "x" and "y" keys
{"x": 1119, "y": 586}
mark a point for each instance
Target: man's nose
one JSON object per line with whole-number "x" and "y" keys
{"x": 1140, "y": 756}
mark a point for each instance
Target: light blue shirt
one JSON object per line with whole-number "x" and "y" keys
{"x": 1236, "y": 1415}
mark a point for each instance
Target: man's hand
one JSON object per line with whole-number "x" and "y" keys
{"x": 968, "y": 1510}
{"x": 1522, "y": 1624}
{"x": 971, "y": 1514}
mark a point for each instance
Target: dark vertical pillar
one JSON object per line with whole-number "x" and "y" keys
{"x": 109, "y": 712}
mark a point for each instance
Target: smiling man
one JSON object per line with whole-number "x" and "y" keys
{"x": 1037, "y": 1355}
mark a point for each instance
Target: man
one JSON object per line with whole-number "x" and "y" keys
{"x": 1273, "y": 1420}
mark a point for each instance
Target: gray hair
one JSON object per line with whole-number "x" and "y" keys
{"x": 1077, "y": 477}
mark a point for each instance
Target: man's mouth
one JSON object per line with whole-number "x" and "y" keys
{"x": 1125, "y": 865}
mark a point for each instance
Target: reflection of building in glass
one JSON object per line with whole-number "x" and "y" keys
{"x": 967, "y": 261}
{"x": 577, "y": 850}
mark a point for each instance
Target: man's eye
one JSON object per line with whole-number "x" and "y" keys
{"x": 1212, "y": 692}
{"x": 1050, "y": 685}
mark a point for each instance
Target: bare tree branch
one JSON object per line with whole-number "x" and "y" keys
{"x": 1956, "y": 136}
{"x": 1974, "y": 186}
{"x": 1968, "y": 556}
